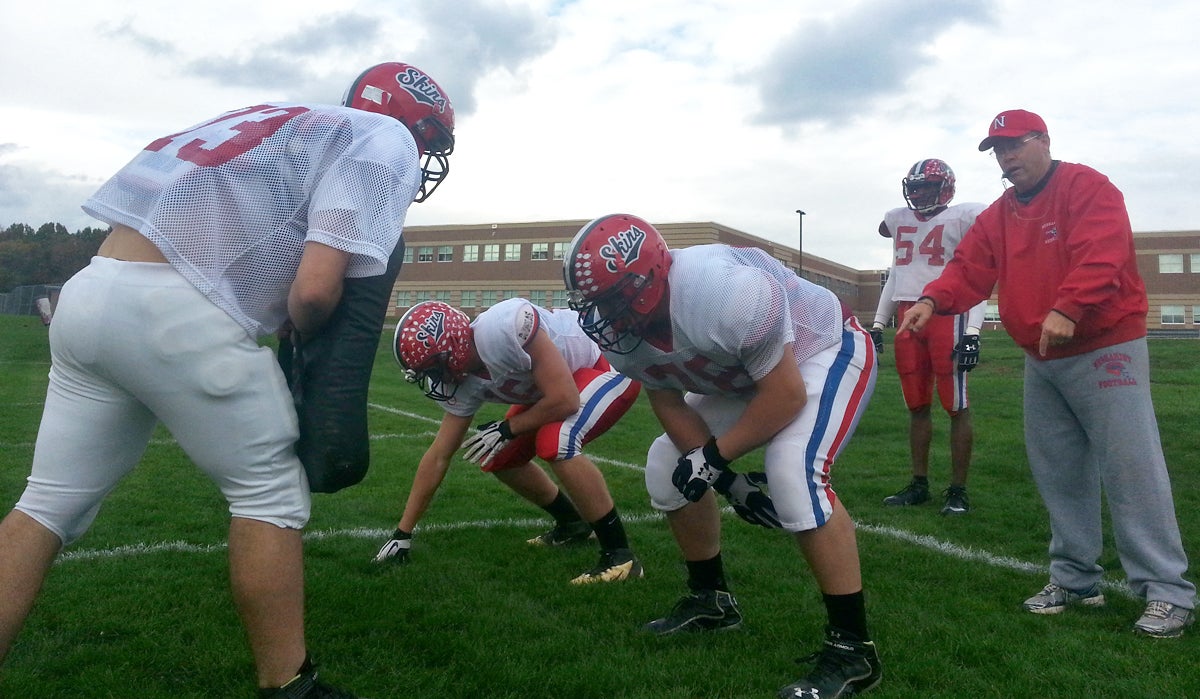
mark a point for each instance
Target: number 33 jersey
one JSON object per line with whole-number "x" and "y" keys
{"x": 922, "y": 248}
{"x": 230, "y": 202}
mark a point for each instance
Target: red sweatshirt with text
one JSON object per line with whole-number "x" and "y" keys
{"x": 1070, "y": 249}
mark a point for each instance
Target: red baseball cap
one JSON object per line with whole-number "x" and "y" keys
{"x": 1012, "y": 124}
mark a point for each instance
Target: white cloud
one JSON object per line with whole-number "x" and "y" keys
{"x": 735, "y": 111}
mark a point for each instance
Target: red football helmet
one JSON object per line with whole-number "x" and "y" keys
{"x": 928, "y": 186}
{"x": 433, "y": 345}
{"x": 409, "y": 95}
{"x": 616, "y": 275}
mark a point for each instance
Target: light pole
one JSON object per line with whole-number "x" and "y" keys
{"x": 800, "y": 247}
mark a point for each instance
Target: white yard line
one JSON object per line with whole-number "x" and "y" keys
{"x": 968, "y": 554}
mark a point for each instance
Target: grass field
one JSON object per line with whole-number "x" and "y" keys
{"x": 140, "y": 606}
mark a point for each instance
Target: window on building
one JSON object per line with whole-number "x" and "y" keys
{"x": 1171, "y": 263}
{"x": 538, "y": 298}
{"x": 470, "y": 253}
{"x": 423, "y": 296}
{"x": 408, "y": 256}
{"x": 1172, "y": 315}
{"x": 512, "y": 252}
{"x": 491, "y": 253}
{"x": 992, "y": 313}
{"x": 468, "y": 299}
{"x": 539, "y": 251}
{"x": 425, "y": 253}
{"x": 488, "y": 299}
{"x": 402, "y": 299}
{"x": 560, "y": 299}
{"x": 1195, "y": 260}
{"x": 445, "y": 254}
{"x": 1195, "y": 315}
{"x": 560, "y": 250}
{"x": 443, "y": 296}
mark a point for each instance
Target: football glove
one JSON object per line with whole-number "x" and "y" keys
{"x": 396, "y": 549}
{"x": 696, "y": 470}
{"x": 483, "y": 446}
{"x": 877, "y": 339}
{"x": 744, "y": 492}
{"x": 967, "y": 351}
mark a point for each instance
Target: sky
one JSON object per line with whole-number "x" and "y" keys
{"x": 739, "y": 112}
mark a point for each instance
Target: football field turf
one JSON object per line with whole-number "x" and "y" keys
{"x": 140, "y": 607}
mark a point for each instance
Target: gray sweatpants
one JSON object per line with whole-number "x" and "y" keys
{"x": 1090, "y": 426}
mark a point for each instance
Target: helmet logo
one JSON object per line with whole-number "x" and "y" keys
{"x": 422, "y": 89}
{"x": 622, "y": 248}
{"x": 430, "y": 330}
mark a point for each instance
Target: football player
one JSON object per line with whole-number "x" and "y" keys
{"x": 736, "y": 352}
{"x": 924, "y": 235}
{"x": 562, "y": 394}
{"x": 267, "y": 218}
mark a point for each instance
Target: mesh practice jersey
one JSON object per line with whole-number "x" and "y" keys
{"x": 921, "y": 250}
{"x": 502, "y": 333}
{"x": 732, "y": 311}
{"x": 230, "y": 202}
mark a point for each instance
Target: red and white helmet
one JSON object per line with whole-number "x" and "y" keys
{"x": 928, "y": 186}
{"x": 409, "y": 95}
{"x": 616, "y": 275}
{"x": 433, "y": 345}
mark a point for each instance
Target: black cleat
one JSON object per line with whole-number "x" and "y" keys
{"x": 305, "y": 686}
{"x": 564, "y": 535}
{"x": 844, "y": 668}
{"x": 956, "y": 501}
{"x": 699, "y": 610}
{"x": 914, "y": 493}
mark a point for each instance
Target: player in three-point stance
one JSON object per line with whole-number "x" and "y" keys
{"x": 562, "y": 394}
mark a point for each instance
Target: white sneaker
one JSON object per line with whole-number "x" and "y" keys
{"x": 1163, "y": 620}
{"x": 1054, "y": 598}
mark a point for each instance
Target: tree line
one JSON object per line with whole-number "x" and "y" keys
{"x": 49, "y": 254}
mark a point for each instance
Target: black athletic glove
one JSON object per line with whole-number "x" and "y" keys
{"x": 697, "y": 469}
{"x": 744, "y": 492}
{"x": 483, "y": 446}
{"x": 396, "y": 549}
{"x": 877, "y": 338}
{"x": 967, "y": 351}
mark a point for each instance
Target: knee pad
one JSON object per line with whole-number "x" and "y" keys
{"x": 660, "y": 463}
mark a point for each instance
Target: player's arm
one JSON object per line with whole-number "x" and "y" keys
{"x": 887, "y": 304}
{"x": 884, "y": 311}
{"x": 431, "y": 470}
{"x": 560, "y": 396}
{"x": 705, "y": 461}
{"x": 317, "y": 288}
{"x": 779, "y": 397}
{"x": 684, "y": 426}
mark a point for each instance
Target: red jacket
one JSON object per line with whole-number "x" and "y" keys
{"x": 1070, "y": 249}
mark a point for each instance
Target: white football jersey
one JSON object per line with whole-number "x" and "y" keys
{"x": 921, "y": 250}
{"x": 732, "y": 311}
{"x": 502, "y": 333}
{"x": 230, "y": 202}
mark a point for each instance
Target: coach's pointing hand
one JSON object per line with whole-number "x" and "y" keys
{"x": 918, "y": 315}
